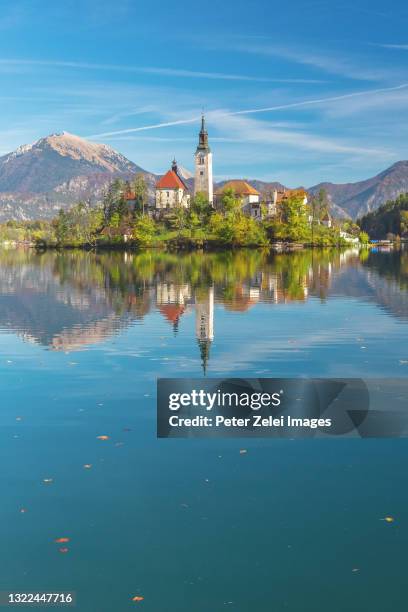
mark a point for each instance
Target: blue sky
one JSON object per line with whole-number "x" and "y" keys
{"x": 297, "y": 91}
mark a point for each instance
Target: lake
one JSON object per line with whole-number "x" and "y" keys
{"x": 195, "y": 525}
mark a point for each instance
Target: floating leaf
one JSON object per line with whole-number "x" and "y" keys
{"x": 243, "y": 451}
{"x": 389, "y": 519}
{"x": 102, "y": 437}
{"x": 48, "y": 480}
{"x": 87, "y": 466}
{"x": 137, "y": 598}
{"x": 63, "y": 550}
{"x": 61, "y": 540}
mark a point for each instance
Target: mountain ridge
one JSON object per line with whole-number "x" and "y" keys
{"x": 54, "y": 172}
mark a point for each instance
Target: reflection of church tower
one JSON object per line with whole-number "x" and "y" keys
{"x": 204, "y": 307}
{"x": 203, "y": 182}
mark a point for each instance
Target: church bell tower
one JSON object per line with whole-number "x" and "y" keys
{"x": 203, "y": 182}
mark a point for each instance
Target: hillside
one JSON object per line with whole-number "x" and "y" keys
{"x": 357, "y": 199}
{"x": 390, "y": 218}
{"x": 36, "y": 180}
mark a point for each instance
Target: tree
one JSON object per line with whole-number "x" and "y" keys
{"x": 322, "y": 204}
{"x": 178, "y": 219}
{"x": 230, "y": 202}
{"x": 79, "y": 225}
{"x": 144, "y": 230}
{"x": 364, "y": 238}
{"x": 61, "y": 227}
{"x": 295, "y": 219}
{"x": 140, "y": 190}
{"x": 201, "y": 207}
{"x": 114, "y": 200}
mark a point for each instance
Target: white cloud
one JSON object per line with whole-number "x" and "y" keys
{"x": 355, "y": 68}
{"x": 19, "y": 64}
{"x": 402, "y": 47}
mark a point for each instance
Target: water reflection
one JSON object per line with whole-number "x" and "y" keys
{"x": 69, "y": 300}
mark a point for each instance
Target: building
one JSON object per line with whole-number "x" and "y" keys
{"x": 326, "y": 219}
{"x": 203, "y": 180}
{"x": 277, "y": 197}
{"x": 249, "y": 196}
{"x": 204, "y": 323}
{"x": 171, "y": 191}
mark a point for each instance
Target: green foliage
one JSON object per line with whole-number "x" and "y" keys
{"x": 229, "y": 201}
{"x": 201, "y": 207}
{"x": 177, "y": 219}
{"x": 139, "y": 188}
{"x": 114, "y": 201}
{"x": 293, "y": 225}
{"x": 319, "y": 205}
{"x": 389, "y": 219}
{"x": 144, "y": 230}
{"x": 79, "y": 225}
{"x": 364, "y": 238}
{"x": 237, "y": 229}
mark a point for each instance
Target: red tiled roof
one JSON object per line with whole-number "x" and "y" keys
{"x": 240, "y": 188}
{"x": 170, "y": 181}
{"x": 172, "y": 312}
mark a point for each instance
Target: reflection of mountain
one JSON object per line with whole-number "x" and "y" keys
{"x": 62, "y": 318}
{"x": 66, "y": 301}
{"x": 365, "y": 283}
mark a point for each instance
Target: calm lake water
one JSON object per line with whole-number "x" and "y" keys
{"x": 193, "y": 525}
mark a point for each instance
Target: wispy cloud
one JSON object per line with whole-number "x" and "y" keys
{"x": 250, "y": 111}
{"x": 319, "y": 101}
{"x": 403, "y": 47}
{"x": 10, "y": 64}
{"x": 143, "y": 128}
{"x": 251, "y": 130}
{"x": 352, "y": 68}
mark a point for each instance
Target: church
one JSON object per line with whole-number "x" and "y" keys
{"x": 172, "y": 190}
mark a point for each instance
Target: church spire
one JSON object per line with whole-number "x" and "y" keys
{"x": 203, "y": 137}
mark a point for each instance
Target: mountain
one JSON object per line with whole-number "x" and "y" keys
{"x": 357, "y": 199}
{"x": 36, "y": 180}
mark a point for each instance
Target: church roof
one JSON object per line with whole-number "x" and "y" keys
{"x": 172, "y": 312}
{"x": 171, "y": 180}
{"x": 241, "y": 188}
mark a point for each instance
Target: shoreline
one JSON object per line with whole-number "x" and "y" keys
{"x": 185, "y": 246}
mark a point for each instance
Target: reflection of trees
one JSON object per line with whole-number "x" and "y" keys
{"x": 65, "y": 299}
{"x": 393, "y": 266}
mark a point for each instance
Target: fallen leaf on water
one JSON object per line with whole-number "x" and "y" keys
{"x": 389, "y": 519}
{"x": 48, "y": 480}
{"x": 63, "y": 550}
{"x": 87, "y": 466}
{"x": 243, "y": 451}
{"x": 355, "y": 569}
{"x": 61, "y": 540}
{"x": 137, "y": 598}
{"x": 23, "y": 510}
{"x": 102, "y": 437}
